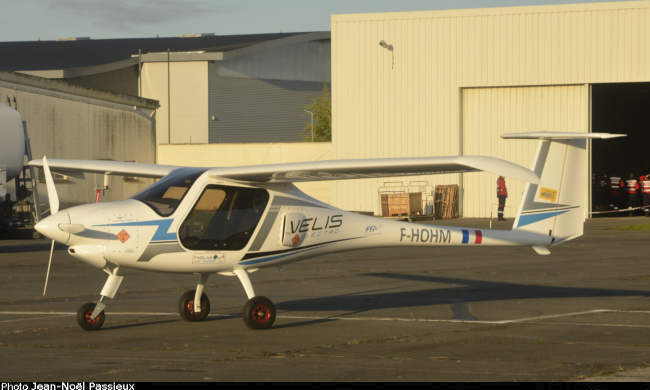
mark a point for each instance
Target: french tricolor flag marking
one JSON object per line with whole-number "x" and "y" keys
{"x": 478, "y": 236}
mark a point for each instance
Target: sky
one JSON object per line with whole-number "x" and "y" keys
{"x": 31, "y": 20}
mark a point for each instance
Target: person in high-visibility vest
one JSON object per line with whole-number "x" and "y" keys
{"x": 502, "y": 195}
{"x": 645, "y": 190}
{"x": 632, "y": 188}
{"x": 615, "y": 184}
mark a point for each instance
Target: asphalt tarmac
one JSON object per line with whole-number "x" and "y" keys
{"x": 382, "y": 315}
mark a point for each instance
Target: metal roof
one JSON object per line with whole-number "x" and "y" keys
{"x": 66, "y": 54}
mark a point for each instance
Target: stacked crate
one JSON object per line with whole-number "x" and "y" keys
{"x": 446, "y": 201}
{"x": 401, "y": 204}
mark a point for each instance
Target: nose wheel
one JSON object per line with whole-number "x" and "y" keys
{"x": 85, "y": 320}
{"x": 259, "y": 313}
{"x": 186, "y": 307}
{"x": 85, "y": 317}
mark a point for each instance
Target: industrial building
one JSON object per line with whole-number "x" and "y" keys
{"x": 430, "y": 83}
{"x": 211, "y": 89}
{"x": 75, "y": 122}
{"x": 438, "y": 83}
{"x": 195, "y": 89}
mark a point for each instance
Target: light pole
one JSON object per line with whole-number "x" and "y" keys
{"x": 312, "y": 124}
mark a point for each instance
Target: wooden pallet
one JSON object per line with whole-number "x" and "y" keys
{"x": 446, "y": 201}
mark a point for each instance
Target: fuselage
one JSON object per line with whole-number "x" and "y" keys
{"x": 191, "y": 223}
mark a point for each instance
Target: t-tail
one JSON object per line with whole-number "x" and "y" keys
{"x": 556, "y": 206}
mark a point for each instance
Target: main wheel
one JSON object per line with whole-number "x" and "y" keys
{"x": 186, "y": 307}
{"x": 259, "y": 313}
{"x": 83, "y": 317}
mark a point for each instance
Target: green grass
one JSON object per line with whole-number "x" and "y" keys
{"x": 641, "y": 227}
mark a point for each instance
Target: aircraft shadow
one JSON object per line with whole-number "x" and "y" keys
{"x": 40, "y": 247}
{"x": 460, "y": 292}
{"x": 138, "y": 324}
{"x": 109, "y": 327}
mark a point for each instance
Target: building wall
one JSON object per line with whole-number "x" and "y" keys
{"x": 408, "y": 100}
{"x": 251, "y": 94}
{"x": 230, "y": 155}
{"x": 490, "y": 112}
{"x": 124, "y": 80}
{"x": 260, "y": 96}
{"x": 72, "y": 122}
{"x": 257, "y": 110}
{"x": 188, "y": 89}
{"x": 303, "y": 61}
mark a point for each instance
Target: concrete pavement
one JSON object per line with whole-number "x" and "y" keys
{"x": 404, "y": 314}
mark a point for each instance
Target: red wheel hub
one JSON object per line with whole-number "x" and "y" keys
{"x": 261, "y": 314}
{"x": 190, "y": 307}
{"x": 89, "y": 318}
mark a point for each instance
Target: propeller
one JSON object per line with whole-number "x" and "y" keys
{"x": 54, "y": 208}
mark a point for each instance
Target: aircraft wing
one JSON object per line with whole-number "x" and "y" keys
{"x": 369, "y": 168}
{"x": 71, "y": 167}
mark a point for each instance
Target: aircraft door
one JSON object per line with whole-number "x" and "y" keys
{"x": 223, "y": 219}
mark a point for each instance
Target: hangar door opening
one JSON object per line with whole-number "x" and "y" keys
{"x": 622, "y": 108}
{"x": 489, "y": 112}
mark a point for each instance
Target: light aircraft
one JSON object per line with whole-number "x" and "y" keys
{"x": 12, "y": 145}
{"x": 233, "y": 221}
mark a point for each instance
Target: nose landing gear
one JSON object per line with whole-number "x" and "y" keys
{"x": 85, "y": 317}
{"x": 187, "y": 310}
{"x": 90, "y": 316}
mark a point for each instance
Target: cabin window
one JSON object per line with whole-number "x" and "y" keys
{"x": 224, "y": 218}
{"x": 166, "y": 194}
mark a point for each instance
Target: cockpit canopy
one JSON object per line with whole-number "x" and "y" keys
{"x": 223, "y": 218}
{"x": 166, "y": 194}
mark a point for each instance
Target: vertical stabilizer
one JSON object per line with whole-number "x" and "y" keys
{"x": 556, "y": 206}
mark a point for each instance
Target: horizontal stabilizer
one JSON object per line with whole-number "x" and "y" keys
{"x": 550, "y": 135}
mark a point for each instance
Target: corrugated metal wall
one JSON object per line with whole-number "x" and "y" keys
{"x": 259, "y": 96}
{"x": 188, "y": 83}
{"x": 304, "y": 61}
{"x": 255, "y": 110}
{"x": 405, "y": 100}
{"x": 490, "y": 112}
{"x": 123, "y": 81}
{"x": 67, "y": 122}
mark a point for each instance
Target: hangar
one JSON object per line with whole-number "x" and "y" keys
{"x": 437, "y": 83}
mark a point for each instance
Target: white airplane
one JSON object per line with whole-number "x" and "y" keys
{"x": 233, "y": 221}
{"x": 12, "y": 146}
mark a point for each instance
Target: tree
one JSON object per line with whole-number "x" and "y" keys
{"x": 321, "y": 107}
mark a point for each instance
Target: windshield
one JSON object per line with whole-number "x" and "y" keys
{"x": 166, "y": 194}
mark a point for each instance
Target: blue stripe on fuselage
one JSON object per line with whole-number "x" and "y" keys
{"x": 161, "y": 233}
{"x": 282, "y": 255}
